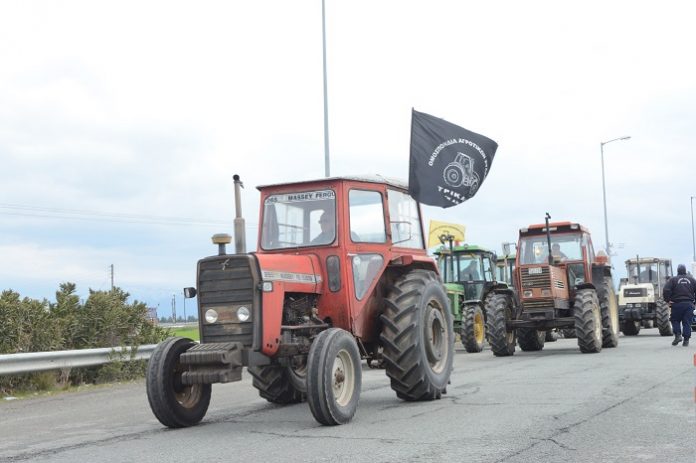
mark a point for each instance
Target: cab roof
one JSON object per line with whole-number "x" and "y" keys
{"x": 462, "y": 248}
{"x": 648, "y": 260}
{"x": 396, "y": 183}
{"x": 539, "y": 228}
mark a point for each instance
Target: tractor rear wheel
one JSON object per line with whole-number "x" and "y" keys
{"x": 417, "y": 336}
{"x": 588, "y": 321}
{"x": 174, "y": 404}
{"x": 662, "y": 318}
{"x": 630, "y": 327}
{"x": 473, "y": 331}
{"x": 569, "y": 333}
{"x": 530, "y": 339}
{"x": 334, "y": 377}
{"x": 275, "y": 384}
{"x": 498, "y": 313}
{"x": 610, "y": 313}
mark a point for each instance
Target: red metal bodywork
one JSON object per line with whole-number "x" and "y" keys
{"x": 341, "y": 307}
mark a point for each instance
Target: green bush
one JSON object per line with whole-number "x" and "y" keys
{"x": 105, "y": 319}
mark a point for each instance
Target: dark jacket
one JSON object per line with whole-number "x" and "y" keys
{"x": 681, "y": 288}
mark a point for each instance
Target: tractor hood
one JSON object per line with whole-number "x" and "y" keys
{"x": 636, "y": 293}
{"x": 296, "y": 272}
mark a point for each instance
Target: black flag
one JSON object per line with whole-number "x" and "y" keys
{"x": 448, "y": 163}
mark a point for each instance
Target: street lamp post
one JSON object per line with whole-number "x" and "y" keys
{"x": 693, "y": 237}
{"x": 607, "y": 246}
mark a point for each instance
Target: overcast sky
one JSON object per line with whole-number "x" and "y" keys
{"x": 135, "y": 113}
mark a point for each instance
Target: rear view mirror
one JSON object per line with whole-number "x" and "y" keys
{"x": 190, "y": 293}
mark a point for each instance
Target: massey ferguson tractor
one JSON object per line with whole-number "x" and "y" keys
{"x": 340, "y": 274}
{"x": 561, "y": 283}
{"x": 469, "y": 275}
{"x": 640, "y": 296}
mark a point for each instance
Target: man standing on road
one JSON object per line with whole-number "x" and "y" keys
{"x": 680, "y": 292}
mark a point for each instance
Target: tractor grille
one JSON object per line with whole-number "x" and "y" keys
{"x": 538, "y": 304}
{"x": 536, "y": 280}
{"x": 226, "y": 283}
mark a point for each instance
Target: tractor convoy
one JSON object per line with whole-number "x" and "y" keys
{"x": 341, "y": 275}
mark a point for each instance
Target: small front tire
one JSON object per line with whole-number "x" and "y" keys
{"x": 334, "y": 377}
{"x": 174, "y": 404}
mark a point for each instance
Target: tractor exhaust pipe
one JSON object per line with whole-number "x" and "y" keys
{"x": 239, "y": 234}
{"x": 548, "y": 238}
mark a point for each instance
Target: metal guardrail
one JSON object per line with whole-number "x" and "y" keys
{"x": 12, "y": 364}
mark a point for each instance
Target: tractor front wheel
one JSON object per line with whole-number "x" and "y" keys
{"x": 662, "y": 318}
{"x": 417, "y": 336}
{"x": 473, "y": 331}
{"x": 174, "y": 404}
{"x": 498, "y": 313}
{"x": 334, "y": 376}
{"x": 588, "y": 321}
{"x": 630, "y": 327}
{"x": 530, "y": 339}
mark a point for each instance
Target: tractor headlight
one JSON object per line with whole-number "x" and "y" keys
{"x": 243, "y": 314}
{"x": 211, "y": 316}
{"x": 528, "y": 293}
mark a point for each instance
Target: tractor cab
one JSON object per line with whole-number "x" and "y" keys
{"x": 471, "y": 267}
{"x": 552, "y": 265}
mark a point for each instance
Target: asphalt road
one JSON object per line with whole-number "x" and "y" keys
{"x": 633, "y": 403}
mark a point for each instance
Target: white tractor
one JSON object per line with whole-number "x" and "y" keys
{"x": 640, "y": 296}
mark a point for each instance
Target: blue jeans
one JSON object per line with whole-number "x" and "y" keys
{"x": 682, "y": 313}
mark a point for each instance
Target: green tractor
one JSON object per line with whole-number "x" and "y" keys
{"x": 469, "y": 273}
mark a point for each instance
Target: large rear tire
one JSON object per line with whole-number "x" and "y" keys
{"x": 417, "y": 336}
{"x": 530, "y": 339}
{"x": 174, "y": 404}
{"x": 498, "y": 312}
{"x": 610, "y": 313}
{"x": 334, "y": 377}
{"x": 473, "y": 331}
{"x": 588, "y": 321}
{"x": 275, "y": 384}
{"x": 569, "y": 333}
{"x": 662, "y": 318}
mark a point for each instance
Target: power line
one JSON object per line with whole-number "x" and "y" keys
{"x": 75, "y": 214}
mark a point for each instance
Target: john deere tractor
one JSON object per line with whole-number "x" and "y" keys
{"x": 469, "y": 275}
{"x": 640, "y": 296}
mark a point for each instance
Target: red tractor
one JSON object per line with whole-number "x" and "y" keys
{"x": 340, "y": 274}
{"x": 561, "y": 283}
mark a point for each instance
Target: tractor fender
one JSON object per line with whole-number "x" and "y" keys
{"x": 585, "y": 286}
{"x": 599, "y": 272}
{"x": 286, "y": 273}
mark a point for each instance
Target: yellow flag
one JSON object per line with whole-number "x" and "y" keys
{"x": 438, "y": 229}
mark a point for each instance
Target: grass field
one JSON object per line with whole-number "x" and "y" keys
{"x": 190, "y": 332}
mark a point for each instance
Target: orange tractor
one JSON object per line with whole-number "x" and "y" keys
{"x": 340, "y": 274}
{"x": 561, "y": 283}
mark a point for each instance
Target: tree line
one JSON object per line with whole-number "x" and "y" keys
{"x": 104, "y": 319}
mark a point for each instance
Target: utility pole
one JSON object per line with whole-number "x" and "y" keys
{"x": 174, "y": 308}
{"x": 112, "y": 277}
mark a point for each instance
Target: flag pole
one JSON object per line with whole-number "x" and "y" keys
{"x": 327, "y": 168}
